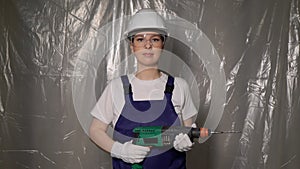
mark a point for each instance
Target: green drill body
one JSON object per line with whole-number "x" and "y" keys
{"x": 162, "y": 136}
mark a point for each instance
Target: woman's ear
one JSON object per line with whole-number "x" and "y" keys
{"x": 131, "y": 47}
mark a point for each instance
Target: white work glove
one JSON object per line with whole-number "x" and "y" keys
{"x": 182, "y": 141}
{"x": 129, "y": 152}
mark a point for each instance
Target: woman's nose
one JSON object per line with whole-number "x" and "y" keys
{"x": 148, "y": 44}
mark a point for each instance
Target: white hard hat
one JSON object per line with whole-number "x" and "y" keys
{"x": 146, "y": 20}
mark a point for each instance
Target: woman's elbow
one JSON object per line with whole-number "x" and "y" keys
{"x": 96, "y": 127}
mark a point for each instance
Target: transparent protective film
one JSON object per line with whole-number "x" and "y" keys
{"x": 240, "y": 60}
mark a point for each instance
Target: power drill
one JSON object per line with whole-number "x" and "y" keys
{"x": 162, "y": 136}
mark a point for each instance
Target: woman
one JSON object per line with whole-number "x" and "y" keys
{"x": 148, "y": 97}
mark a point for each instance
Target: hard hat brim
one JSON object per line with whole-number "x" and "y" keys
{"x": 136, "y": 31}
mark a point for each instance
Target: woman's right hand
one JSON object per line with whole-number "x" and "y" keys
{"x": 129, "y": 152}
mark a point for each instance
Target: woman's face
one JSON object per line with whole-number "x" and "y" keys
{"x": 147, "y": 47}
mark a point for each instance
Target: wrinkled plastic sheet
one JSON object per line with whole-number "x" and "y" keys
{"x": 49, "y": 81}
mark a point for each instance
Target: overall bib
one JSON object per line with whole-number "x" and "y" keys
{"x": 148, "y": 113}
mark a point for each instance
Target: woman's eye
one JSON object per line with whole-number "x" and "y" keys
{"x": 140, "y": 39}
{"x": 155, "y": 40}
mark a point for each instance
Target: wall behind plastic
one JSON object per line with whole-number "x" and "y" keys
{"x": 257, "y": 41}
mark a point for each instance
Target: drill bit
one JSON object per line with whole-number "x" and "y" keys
{"x": 224, "y": 132}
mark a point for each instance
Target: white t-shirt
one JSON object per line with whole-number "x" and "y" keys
{"x": 109, "y": 106}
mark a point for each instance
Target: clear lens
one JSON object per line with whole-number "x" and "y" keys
{"x": 140, "y": 40}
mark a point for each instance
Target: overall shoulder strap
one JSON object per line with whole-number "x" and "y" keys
{"x": 169, "y": 85}
{"x": 126, "y": 85}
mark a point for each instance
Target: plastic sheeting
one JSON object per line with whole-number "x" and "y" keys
{"x": 257, "y": 44}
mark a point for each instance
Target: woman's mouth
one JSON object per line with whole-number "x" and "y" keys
{"x": 148, "y": 54}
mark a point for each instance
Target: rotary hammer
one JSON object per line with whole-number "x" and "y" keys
{"x": 161, "y": 136}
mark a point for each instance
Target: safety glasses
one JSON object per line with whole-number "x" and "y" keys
{"x": 155, "y": 40}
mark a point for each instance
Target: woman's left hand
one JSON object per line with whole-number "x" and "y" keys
{"x": 182, "y": 143}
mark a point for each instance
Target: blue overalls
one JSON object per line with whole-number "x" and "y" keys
{"x": 148, "y": 113}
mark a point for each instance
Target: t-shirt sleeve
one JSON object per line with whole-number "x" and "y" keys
{"x": 188, "y": 108}
{"x": 103, "y": 110}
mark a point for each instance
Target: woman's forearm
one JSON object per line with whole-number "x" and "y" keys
{"x": 188, "y": 122}
{"x": 99, "y": 136}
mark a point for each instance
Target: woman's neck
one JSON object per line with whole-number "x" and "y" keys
{"x": 148, "y": 74}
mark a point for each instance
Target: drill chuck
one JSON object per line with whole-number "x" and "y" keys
{"x": 200, "y": 132}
